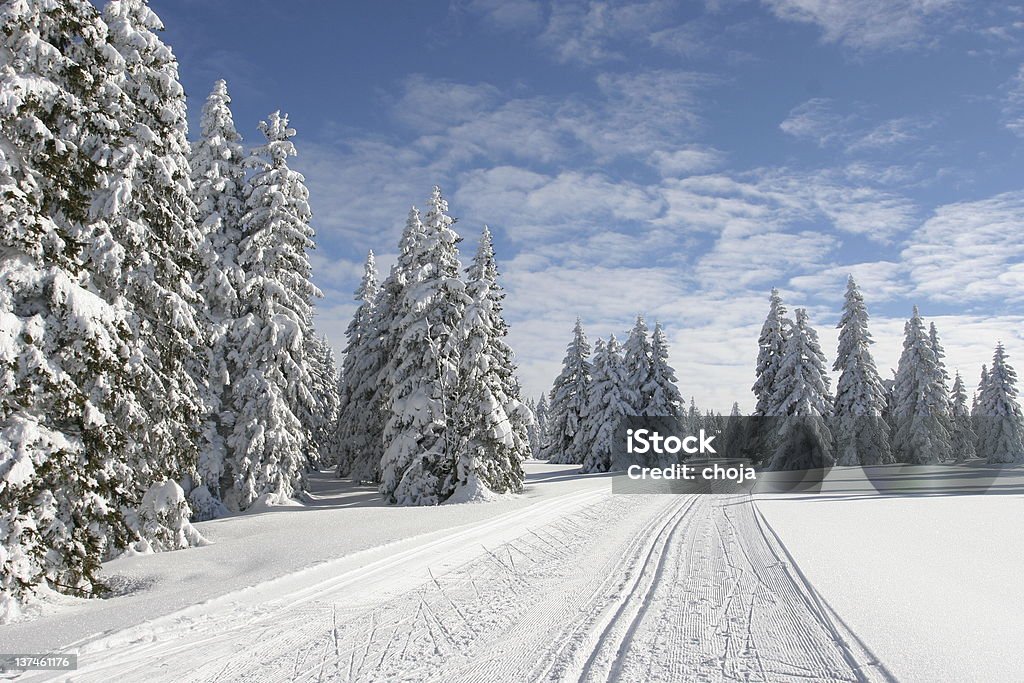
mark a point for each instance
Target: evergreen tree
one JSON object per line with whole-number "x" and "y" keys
{"x": 541, "y": 413}
{"x": 963, "y": 436}
{"x": 637, "y": 358}
{"x": 371, "y": 389}
{"x": 611, "y": 398}
{"x": 921, "y": 436}
{"x": 420, "y": 454}
{"x": 271, "y": 395}
{"x": 1001, "y": 428}
{"x": 567, "y": 442}
{"x": 489, "y": 410}
{"x": 664, "y": 397}
{"x": 147, "y": 203}
{"x": 218, "y": 181}
{"x": 64, "y": 382}
{"x": 354, "y": 434}
{"x": 771, "y": 349}
{"x": 862, "y": 434}
{"x": 943, "y": 375}
{"x": 802, "y": 397}
{"x": 321, "y": 417}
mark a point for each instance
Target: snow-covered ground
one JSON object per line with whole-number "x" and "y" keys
{"x": 570, "y": 582}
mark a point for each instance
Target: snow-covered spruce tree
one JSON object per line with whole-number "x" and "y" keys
{"x": 921, "y": 436}
{"x": 1001, "y": 427}
{"x": 664, "y": 399}
{"x": 146, "y": 202}
{"x": 218, "y": 181}
{"x": 532, "y": 429}
{"x": 419, "y": 462}
{"x": 862, "y": 435}
{"x": 541, "y": 413}
{"x": 963, "y": 436}
{"x": 611, "y": 399}
{"x": 321, "y": 417}
{"x": 372, "y": 386}
{"x": 567, "y": 441}
{"x": 63, "y": 348}
{"x": 271, "y": 384}
{"x": 943, "y": 375}
{"x": 487, "y": 415}
{"x": 771, "y": 347}
{"x": 802, "y": 398}
{"x": 636, "y": 353}
{"x": 358, "y": 377}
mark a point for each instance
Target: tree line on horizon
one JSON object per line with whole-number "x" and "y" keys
{"x": 798, "y": 423}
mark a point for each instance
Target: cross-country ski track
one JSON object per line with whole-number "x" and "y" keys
{"x": 585, "y": 586}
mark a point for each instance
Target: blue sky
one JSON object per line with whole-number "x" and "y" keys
{"x": 672, "y": 158}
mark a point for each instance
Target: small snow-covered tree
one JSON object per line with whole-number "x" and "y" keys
{"x": 771, "y": 349}
{"x": 490, "y": 451}
{"x": 420, "y": 457}
{"x": 1001, "y": 427}
{"x": 611, "y": 398}
{"x": 321, "y": 416}
{"x": 218, "y": 181}
{"x": 567, "y": 441}
{"x": 271, "y": 384}
{"x": 636, "y": 354}
{"x": 921, "y": 436}
{"x": 664, "y": 399}
{"x": 862, "y": 435}
{"x": 802, "y": 398}
{"x": 354, "y": 436}
{"x": 541, "y": 413}
{"x": 963, "y": 436}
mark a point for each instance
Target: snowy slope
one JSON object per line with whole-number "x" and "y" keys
{"x": 570, "y": 582}
{"x": 930, "y": 581}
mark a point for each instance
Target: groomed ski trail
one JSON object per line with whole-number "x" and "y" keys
{"x": 584, "y": 587}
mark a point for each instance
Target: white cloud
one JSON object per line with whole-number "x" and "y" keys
{"x": 970, "y": 252}
{"x": 815, "y": 120}
{"x": 511, "y": 15}
{"x": 818, "y": 121}
{"x": 868, "y": 25}
{"x": 686, "y": 160}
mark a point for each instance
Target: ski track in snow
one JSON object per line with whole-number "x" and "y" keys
{"x": 592, "y": 587}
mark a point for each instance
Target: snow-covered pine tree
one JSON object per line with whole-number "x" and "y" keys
{"x": 1001, "y": 427}
{"x": 611, "y": 399}
{"x": 541, "y": 412}
{"x": 63, "y": 372}
{"x": 771, "y": 348}
{"x": 147, "y": 203}
{"x": 664, "y": 399}
{"x": 921, "y": 436}
{"x": 271, "y": 392}
{"x": 419, "y": 462}
{"x": 322, "y": 416}
{"x": 862, "y": 435}
{"x": 982, "y": 380}
{"x": 943, "y": 375}
{"x": 218, "y": 181}
{"x": 372, "y": 386}
{"x": 963, "y": 436}
{"x": 567, "y": 442}
{"x": 488, "y": 413}
{"x": 636, "y": 354}
{"x": 802, "y": 397}
{"x": 353, "y": 435}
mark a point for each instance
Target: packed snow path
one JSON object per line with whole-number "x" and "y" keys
{"x": 587, "y": 586}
